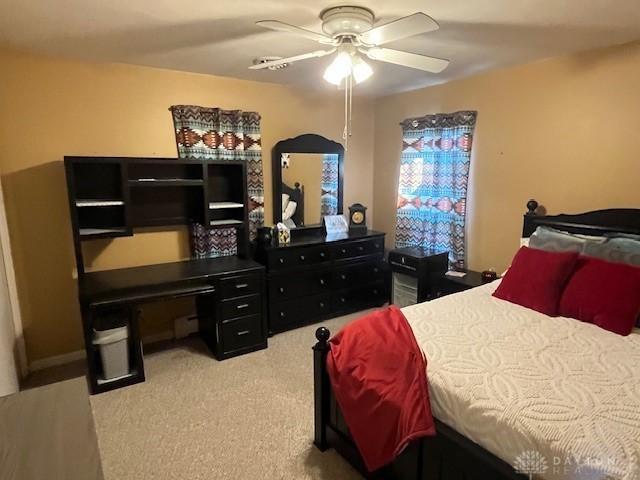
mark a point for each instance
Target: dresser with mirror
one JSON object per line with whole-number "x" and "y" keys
{"x": 316, "y": 277}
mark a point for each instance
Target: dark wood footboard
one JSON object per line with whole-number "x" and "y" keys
{"x": 447, "y": 456}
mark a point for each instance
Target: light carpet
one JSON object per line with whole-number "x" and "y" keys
{"x": 250, "y": 417}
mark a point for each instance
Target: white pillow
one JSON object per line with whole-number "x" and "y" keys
{"x": 285, "y": 201}
{"x": 524, "y": 242}
{"x": 289, "y": 210}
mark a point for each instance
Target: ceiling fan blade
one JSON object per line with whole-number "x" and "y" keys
{"x": 304, "y": 56}
{"x": 401, "y": 28}
{"x": 411, "y": 60}
{"x": 285, "y": 27}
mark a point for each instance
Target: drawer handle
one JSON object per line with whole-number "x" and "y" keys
{"x": 376, "y": 245}
{"x": 242, "y": 285}
{"x": 375, "y": 270}
{"x": 281, "y": 289}
{"x": 342, "y": 299}
{"x": 344, "y": 250}
{"x": 321, "y": 254}
{"x": 244, "y": 305}
{"x": 343, "y": 276}
{"x": 360, "y": 249}
{"x": 302, "y": 258}
{"x": 281, "y": 260}
{"x": 375, "y": 291}
{"x": 281, "y": 314}
{"x": 321, "y": 304}
{"x": 322, "y": 281}
{"x": 243, "y": 332}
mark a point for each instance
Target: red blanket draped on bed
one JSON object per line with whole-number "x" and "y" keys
{"x": 378, "y": 374}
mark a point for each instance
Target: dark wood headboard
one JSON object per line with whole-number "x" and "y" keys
{"x": 597, "y": 222}
{"x": 296, "y": 194}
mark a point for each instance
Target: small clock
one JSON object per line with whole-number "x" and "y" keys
{"x": 357, "y": 218}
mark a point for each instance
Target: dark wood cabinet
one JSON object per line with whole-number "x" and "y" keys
{"x": 314, "y": 278}
{"x": 416, "y": 273}
{"x": 240, "y": 322}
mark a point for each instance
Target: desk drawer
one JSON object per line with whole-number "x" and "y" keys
{"x": 242, "y": 285}
{"x": 297, "y": 257}
{"x": 239, "y": 307}
{"x": 243, "y": 332}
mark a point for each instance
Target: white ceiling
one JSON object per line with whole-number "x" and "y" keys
{"x": 220, "y": 36}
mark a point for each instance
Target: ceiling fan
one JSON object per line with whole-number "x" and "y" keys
{"x": 350, "y": 30}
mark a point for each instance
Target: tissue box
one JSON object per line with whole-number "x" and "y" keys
{"x": 284, "y": 234}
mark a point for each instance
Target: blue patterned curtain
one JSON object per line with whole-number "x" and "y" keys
{"x": 213, "y": 133}
{"x": 329, "y": 185}
{"x": 432, "y": 191}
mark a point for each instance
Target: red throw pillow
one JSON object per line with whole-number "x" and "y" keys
{"x": 536, "y": 279}
{"x": 603, "y": 293}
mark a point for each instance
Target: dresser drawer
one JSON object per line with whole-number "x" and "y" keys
{"x": 243, "y": 332}
{"x": 361, "y": 297}
{"x": 239, "y": 307}
{"x": 358, "y": 274}
{"x": 239, "y": 286}
{"x": 299, "y": 312}
{"x": 293, "y": 285}
{"x": 297, "y": 257}
{"x": 357, "y": 248}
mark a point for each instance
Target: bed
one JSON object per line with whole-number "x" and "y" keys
{"x": 510, "y": 386}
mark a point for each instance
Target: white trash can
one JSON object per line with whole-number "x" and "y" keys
{"x": 114, "y": 351}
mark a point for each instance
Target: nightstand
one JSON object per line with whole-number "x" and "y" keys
{"x": 415, "y": 271}
{"x": 446, "y": 285}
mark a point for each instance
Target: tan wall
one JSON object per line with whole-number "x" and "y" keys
{"x": 306, "y": 168}
{"x": 563, "y": 131}
{"x": 53, "y": 107}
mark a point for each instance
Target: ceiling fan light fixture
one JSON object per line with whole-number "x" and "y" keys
{"x": 361, "y": 70}
{"x": 339, "y": 69}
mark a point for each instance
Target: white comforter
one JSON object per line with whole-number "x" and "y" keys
{"x": 555, "y": 396}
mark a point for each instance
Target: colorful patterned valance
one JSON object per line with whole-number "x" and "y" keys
{"x": 432, "y": 191}
{"x": 213, "y": 133}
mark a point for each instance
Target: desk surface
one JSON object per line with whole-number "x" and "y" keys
{"x": 110, "y": 284}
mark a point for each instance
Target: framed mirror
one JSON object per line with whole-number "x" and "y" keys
{"x": 307, "y": 173}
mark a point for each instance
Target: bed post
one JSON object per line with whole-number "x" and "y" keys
{"x": 528, "y": 225}
{"x": 321, "y": 388}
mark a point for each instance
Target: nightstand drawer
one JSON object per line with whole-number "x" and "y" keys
{"x": 243, "y": 332}
{"x": 239, "y": 307}
{"x": 242, "y": 285}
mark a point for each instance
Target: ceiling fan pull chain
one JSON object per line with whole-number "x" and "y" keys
{"x": 345, "y": 132}
{"x": 350, "y": 102}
